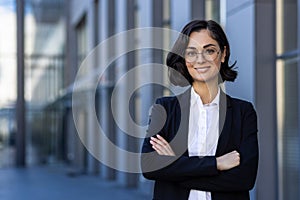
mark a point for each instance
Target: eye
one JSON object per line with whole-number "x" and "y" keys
{"x": 209, "y": 51}
{"x": 191, "y": 53}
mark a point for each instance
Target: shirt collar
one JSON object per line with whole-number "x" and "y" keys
{"x": 195, "y": 98}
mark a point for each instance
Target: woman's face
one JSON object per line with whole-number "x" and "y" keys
{"x": 203, "y": 57}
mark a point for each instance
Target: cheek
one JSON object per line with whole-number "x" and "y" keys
{"x": 188, "y": 65}
{"x": 218, "y": 65}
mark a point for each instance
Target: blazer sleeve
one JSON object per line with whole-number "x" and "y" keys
{"x": 171, "y": 168}
{"x": 242, "y": 177}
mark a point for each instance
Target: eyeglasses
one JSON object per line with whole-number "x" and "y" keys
{"x": 209, "y": 54}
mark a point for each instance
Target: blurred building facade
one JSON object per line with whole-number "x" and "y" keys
{"x": 264, "y": 37}
{"x": 264, "y": 42}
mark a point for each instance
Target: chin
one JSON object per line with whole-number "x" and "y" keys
{"x": 205, "y": 79}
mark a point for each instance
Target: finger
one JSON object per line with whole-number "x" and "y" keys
{"x": 169, "y": 150}
{"x": 152, "y": 142}
{"x": 234, "y": 153}
{"x": 157, "y": 147}
{"x": 161, "y": 148}
{"x": 162, "y": 139}
{"x": 237, "y": 153}
{"x": 157, "y": 150}
{"x": 168, "y": 147}
{"x": 158, "y": 141}
{"x": 162, "y": 145}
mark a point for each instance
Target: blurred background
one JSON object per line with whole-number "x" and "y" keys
{"x": 42, "y": 45}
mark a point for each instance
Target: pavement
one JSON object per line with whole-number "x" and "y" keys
{"x": 49, "y": 183}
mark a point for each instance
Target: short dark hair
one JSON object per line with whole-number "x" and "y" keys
{"x": 175, "y": 59}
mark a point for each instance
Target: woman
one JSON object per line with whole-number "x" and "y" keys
{"x": 207, "y": 147}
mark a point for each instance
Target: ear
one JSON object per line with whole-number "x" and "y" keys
{"x": 224, "y": 54}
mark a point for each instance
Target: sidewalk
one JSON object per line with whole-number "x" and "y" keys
{"x": 48, "y": 183}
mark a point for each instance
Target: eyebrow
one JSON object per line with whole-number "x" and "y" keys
{"x": 205, "y": 46}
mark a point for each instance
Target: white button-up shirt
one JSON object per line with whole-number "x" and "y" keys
{"x": 203, "y": 133}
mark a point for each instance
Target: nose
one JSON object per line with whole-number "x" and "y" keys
{"x": 200, "y": 58}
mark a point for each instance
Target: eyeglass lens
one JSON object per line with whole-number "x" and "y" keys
{"x": 209, "y": 54}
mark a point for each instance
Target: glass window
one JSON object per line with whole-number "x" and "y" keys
{"x": 81, "y": 31}
{"x": 288, "y": 99}
{"x": 8, "y": 45}
{"x": 44, "y": 67}
{"x": 212, "y": 10}
{"x": 286, "y": 25}
{"x": 288, "y": 128}
{"x": 8, "y": 87}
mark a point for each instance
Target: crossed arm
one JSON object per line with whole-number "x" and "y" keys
{"x": 225, "y": 162}
{"x": 234, "y": 171}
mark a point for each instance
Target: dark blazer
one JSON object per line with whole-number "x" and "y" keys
{"x": 176, "y": 176}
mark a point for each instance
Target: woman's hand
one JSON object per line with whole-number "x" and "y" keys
{"x": 161, "y": 146}
{"x": 225, "y": 162}
{"x": 228, "y": 161}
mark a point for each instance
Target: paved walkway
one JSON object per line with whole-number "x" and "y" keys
{"x": 49, "y": 183}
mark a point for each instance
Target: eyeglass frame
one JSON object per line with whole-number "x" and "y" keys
{"x": 203, "y": 55}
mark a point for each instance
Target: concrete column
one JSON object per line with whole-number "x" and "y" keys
{"x": 111, "y": 129}
{"x": 265, "y": 97}
{"x": 20, "y": 107}
{"x": 198, "y": 9}
{"x": 157, "y": 54}
{"x": 94, "y": 122}
{"x": 132, "y": 145}
{"x": 298, "y": 39}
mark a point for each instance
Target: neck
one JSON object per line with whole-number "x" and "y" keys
{"x": 206, "y": 90}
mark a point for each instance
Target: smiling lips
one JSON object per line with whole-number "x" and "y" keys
{"x": 202, "y": 69}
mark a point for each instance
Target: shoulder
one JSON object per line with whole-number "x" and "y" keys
{"x": 244, "y": 112}
{"x": 173, "y": 100}
{"x": 174, "y": 104}
{"x": 167, "y": 100}
{"x": 167, "y": 104}
{"x": 240, "y": 104}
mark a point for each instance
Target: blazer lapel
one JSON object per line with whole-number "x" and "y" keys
{"x": 183, "y": 112}
{"x": 225, "y": 120}
{"x": 184, "y": 102}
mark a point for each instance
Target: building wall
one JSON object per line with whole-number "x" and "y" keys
{"x": 250, "y": 26}
{"x": 265, "y": 97}
{"x": 80, "y": 14}
{"x": 240, "y": 26}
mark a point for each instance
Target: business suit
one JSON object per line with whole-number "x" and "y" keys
{"x": 176, "y": 176}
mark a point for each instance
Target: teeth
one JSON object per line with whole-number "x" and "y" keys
{"x": 203, "y": 69}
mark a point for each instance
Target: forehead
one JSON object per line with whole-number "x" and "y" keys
{"x": 200, "y": 39}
